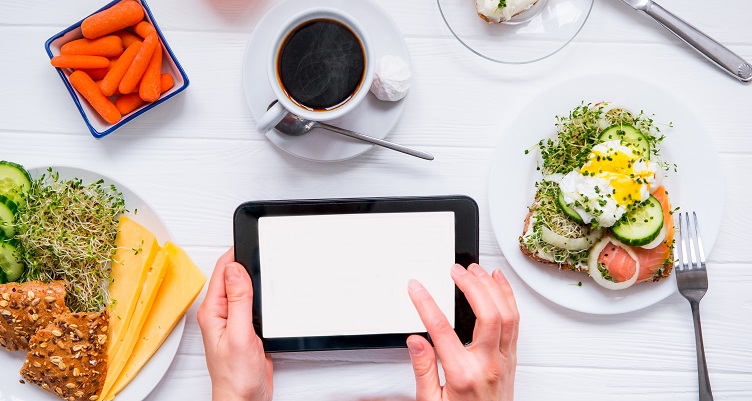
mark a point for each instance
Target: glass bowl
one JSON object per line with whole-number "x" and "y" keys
{"x": 530, "y": 36}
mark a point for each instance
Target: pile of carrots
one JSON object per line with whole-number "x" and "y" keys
{"x": 119, "y": 58}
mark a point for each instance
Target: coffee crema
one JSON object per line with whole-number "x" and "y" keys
{"x": 321, "y": 64}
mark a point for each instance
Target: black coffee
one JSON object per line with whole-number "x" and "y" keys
{"x": 321, "y": 64}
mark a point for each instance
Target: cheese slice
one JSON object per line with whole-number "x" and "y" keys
{"x": 182, "y": 283}
{"x": 136, "y": 249}
{"x": 154, "y": 278}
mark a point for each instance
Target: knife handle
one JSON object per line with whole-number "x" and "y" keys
{"x": 704, "y": 44}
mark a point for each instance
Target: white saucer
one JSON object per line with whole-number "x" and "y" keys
{"x": 372, "y": 117}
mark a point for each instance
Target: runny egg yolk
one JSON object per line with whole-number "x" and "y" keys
{"x": 623, "y": 168}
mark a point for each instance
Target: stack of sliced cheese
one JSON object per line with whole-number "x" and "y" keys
{"x": 152, "y": 287}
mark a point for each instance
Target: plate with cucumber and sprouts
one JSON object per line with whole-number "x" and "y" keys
{"x": 59, "y": 224}
{"x": 583, "y": 189}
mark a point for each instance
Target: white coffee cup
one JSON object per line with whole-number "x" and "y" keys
{"x": 284, "y": 104}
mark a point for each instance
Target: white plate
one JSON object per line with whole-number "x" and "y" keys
{"x": 372, "y": 117}
{"x": 152, "y": 372}
{"x": 513, "y": 174}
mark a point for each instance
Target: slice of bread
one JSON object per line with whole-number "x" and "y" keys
{"x": 69, "y": 357}
{"x": 26, "y": 308}
{"x": 540, "y": 257}
{"x": 537, "y": 255}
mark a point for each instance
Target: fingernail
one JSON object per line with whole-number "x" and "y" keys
{"x": 232, "y": 273}
{"x": 414, "y": 285}
{"x": 498, "y": 276}
{"x": 459, "y": 270}
{"x": 476, "y": 270}
{"x": 415, "y": 347}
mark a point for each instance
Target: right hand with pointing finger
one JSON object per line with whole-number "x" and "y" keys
{"x": 483, "y": 370}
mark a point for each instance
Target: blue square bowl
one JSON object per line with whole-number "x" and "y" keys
{"x": 97, "y": 125}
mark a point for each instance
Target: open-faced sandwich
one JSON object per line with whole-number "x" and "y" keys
{"x": 496, "y": 11}
{"x": 601, "y": 207}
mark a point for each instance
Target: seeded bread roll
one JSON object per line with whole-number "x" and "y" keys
{"x": 69, "y": 357}
{"x": 27, "y": 307}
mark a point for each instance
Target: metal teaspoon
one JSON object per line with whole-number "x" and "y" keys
{"x": 294, "y": 125}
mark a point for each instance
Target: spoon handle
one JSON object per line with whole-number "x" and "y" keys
{"x": 376, "y": 141}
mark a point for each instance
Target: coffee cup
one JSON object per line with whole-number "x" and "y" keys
{"x": 320, "y": 67}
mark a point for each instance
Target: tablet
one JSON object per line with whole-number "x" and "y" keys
{"x": 333, "y": 274}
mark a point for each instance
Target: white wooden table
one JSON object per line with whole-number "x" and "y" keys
{"x": 198, "y": 156}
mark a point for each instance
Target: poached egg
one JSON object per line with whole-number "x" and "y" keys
{"x": 614, "y": 178}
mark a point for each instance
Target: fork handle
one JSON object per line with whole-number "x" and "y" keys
{"x": 705, "y": 45}
{"x": 702, "y": 367}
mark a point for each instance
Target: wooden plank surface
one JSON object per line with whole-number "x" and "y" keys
{"x": 198, "y": 156}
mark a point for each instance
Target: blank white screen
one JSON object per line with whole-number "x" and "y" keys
{"x": 329, "y": 275}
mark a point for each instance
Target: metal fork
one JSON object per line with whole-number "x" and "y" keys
{"x": 692, "y": 280}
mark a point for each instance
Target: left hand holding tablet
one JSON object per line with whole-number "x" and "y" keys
{"x": 235, "y": 357}
{"x": 483, "y": 370}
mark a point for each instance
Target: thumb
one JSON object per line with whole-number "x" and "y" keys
{"x": 427, "y": 385}
{"x": 239, "y": 299}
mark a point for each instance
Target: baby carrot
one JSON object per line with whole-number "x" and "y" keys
{"x": 167, "y": 82}
{"x": 127, "y": 103}
{"x": 132, "y": 101}
{"x": 115, "y": 18}
{"x": 112, "y": 80}
{"x": 139, "y": 64}
{"x": 107, "y": 46}
{"x": 90, "y": 91}
{"x": 144, "y": 29}
{"x": 99, "y": 73}
{"x": 127, "y": 37}
{"x": 95, "y": 73}
{"x": 149, "y": 87}
{"x": 80, "y": 62}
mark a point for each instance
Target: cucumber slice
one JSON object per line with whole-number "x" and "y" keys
{"x": 641, "y": 225}
{"x": 629, "y": 135}
{"x": 15, "y": 181}
{"x": 7, "y": 216}
{"x": 11, "y": 267}
{"x": 567, "y": 210}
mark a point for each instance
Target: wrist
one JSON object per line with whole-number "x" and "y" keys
{"x": 225, "y": 395}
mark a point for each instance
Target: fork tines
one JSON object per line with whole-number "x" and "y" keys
{"x": 688, "y": 250}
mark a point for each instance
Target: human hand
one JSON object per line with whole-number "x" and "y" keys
{"x": 482, "y": 371}
{"x": 238, "y": 368}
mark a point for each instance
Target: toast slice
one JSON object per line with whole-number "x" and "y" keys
{"x": 69, "y": 357}
{"x": 538, "y": 256}
{"x": 26, "y": 308}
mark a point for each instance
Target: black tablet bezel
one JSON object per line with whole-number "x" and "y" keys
{"x": 245, "y": 228}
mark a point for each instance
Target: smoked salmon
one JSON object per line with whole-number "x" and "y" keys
{"x": 621, "y": 266}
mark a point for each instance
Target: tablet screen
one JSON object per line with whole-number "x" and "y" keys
{"x": 347, "y": 274}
